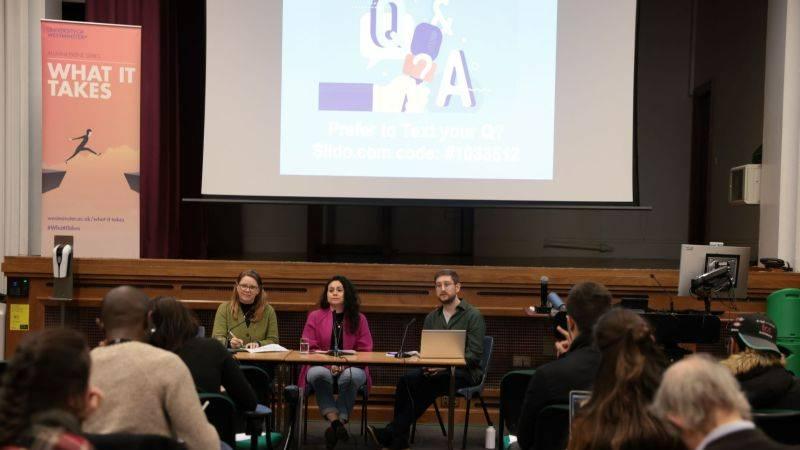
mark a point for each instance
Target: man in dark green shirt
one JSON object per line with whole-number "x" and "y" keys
{"x": 427, "y": 384}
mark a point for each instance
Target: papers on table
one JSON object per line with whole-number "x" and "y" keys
{"x": 268, "y": 348}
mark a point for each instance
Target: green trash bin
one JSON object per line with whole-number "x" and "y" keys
{"x": 783, "y": 307}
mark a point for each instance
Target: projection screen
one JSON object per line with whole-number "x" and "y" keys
{"x": 506, "y": 101}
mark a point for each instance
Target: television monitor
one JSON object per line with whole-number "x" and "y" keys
{"x": 699, "y": 259}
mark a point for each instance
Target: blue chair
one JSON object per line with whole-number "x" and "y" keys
{"x": 468, "y": 393}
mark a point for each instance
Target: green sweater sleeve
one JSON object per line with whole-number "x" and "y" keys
{"x": 220, "y": 331}
{"x": 271, "y": 335}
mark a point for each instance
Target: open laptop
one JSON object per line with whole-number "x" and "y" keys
{"x": 443, "y": 343}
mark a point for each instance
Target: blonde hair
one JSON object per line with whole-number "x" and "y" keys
{"x": 749, "y": 359}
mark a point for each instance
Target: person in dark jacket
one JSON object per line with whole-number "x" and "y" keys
{"x": 578, "y": 362}
{"x": 701, "y": 400}
{"x": 210, "y": 364}
{"x": 758, "y": 364}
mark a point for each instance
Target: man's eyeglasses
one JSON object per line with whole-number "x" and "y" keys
{"x": 248, "y": 287}
{"x": 443, "y": 286}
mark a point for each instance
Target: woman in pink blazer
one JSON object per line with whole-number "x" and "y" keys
{"x": 337, "y": 323}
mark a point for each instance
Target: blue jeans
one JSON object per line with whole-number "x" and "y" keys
{"x": 348, "y": 382}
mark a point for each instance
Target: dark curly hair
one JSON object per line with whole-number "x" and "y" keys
{"x": 50, "y": 370}
{"x": 352, "y": 303}
{"x": 174, "y": 323}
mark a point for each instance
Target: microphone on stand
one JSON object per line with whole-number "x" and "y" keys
{"x": 247, "y": 316}
{"x": 543, "y": 308}
{"x": 337, "y": 327}
{"x": 400, "y": 354}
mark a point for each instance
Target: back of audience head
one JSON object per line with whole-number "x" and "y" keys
{"x": 49, "y": 373}
{"x": 586, "y": 302}
{"x": 752, "y": 345}
{"x": 173, "y": 323}
{"x": 696, "y": 395}
{"x": 630, "y": 370}
{"x": 123, "y": 313}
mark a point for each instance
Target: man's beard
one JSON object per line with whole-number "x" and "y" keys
{"x": 448, "y": 300}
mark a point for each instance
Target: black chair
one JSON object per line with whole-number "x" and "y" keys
{"x": 261, "y": 382}
{"x": 552, "y": 428}
{"x": 291, "y": 398}
{"x": 362, "y": 391}
{"x": 468, "y": 393}
{"x": 125, "y": 441}
{"x": 512, "y": 394}
{"x": 779, "y": 424}
{"x": 222, "y": 414}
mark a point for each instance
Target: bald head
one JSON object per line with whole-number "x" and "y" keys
{"x": 124, "y": 307}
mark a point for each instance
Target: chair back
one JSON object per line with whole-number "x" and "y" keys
{"x": 779, "y": 424}
{"x": 125, "y": 441}
{"x": 512, "y": 394}
{"x": 261, "y": 383}
{"x": 552, "y": 428}
{"x": 486, "y": 358}
{"x": 221, "y": 413}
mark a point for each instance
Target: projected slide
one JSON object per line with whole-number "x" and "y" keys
{"x": 418, "y": 89}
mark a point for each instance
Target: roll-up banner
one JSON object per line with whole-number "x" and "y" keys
{"x": 90, "y": 137}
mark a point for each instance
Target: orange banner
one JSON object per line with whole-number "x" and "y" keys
{"x": 90, "y": 137}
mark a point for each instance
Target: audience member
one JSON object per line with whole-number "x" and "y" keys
{"x": 211, "y": 365}
{"x": 631, "y": 365}
{"x": 147, "y": 390}
{"x": 418, "y": 389}
{"x": 578, "y": 362}
{"x": 758, "y": 364}
{"x": 247, "y": 320}
{"x": 339, "y": 323}
{"x": 46, "y": 393}
{"x": 702, "y": 401}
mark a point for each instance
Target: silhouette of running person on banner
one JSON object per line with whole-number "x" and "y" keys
{"x": 82, "y": 146}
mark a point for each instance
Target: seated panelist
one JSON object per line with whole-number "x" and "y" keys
{"x": 247, "y": 320}
{"x": 337, "y": 323}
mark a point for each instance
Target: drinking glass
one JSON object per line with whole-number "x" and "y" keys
{"x": 304, "y": 346}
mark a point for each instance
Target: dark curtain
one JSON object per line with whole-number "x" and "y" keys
{"x": 172, "y": 104}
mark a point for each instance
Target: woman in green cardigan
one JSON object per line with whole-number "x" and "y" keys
{"x": 247, "y": 320}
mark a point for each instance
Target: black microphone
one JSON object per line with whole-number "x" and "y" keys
{"x": 543, "y": 289}
{"x": 400, "y": 354}
{"x": 671, "y": 302}
{"x": 337, "y": 326}
{"x": 247, "y": 317}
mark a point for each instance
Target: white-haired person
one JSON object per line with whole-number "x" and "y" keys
{"x": 702, "y": 401}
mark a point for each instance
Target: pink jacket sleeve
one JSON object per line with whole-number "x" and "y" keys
{"x": 364, "y": 338}
{"x": 310, "y": 331}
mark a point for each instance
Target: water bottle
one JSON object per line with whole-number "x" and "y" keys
{"x": 491, "y": 437}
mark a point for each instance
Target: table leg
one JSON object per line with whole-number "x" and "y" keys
{"x": 451, "y": 407}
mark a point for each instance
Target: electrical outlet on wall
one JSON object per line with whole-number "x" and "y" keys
{"x": 521, "y": 361}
